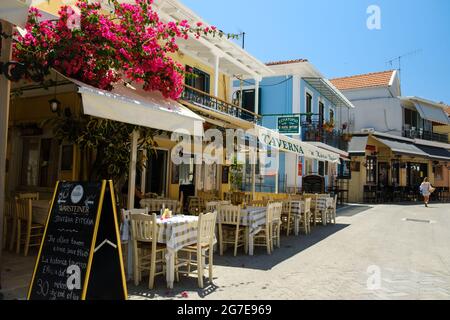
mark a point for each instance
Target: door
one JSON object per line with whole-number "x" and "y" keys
{"x": 383, "y": 176}
{"x": 417, "y": 172}
{"x": 156, "y": 179}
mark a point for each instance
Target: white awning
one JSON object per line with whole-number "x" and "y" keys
{"x": 139, "y": 107}
{"x": 284, "y": 143}
{"x": 432, "y": 113}
{"x": 14, "y": 11}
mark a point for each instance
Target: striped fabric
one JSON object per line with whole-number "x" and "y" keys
{"x": 254, "y": 218}
{"x": 178, "y": 232}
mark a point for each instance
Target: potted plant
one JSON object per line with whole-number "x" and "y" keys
{"x": 329, "y": 126}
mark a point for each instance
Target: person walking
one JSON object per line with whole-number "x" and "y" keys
{"x": 426, "y": 189}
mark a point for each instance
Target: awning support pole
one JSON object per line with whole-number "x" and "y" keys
{"x": 5, "y": 89}
{"x": 132, "y": 170}
{"x": 144, "y": 175}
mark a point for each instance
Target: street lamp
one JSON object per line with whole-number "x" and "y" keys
{"x": 55, "y": 105}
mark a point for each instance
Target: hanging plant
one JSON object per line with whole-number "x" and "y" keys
{"x": 131, "y": 43}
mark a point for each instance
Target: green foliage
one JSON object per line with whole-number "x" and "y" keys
{"x": 109, "y": 140}
{"x": 236, "y": 174}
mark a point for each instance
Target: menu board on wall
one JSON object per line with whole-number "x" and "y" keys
{"x": 80, "y": 256}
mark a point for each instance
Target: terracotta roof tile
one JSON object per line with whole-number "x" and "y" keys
{"x": 276, "y": 63}
{"x": 376, "y": 79}
{"x": 448, "y": 111}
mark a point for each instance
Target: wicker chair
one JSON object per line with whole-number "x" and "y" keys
{"x": 33, "y": 231}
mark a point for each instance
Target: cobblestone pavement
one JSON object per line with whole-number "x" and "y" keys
{"x": 408, "y": 246}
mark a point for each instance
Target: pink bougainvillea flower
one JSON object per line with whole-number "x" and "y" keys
{"x": 131, "y": 43}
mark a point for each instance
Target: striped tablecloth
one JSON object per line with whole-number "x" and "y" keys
{"x": 178, "y": 231}
{"x": 254, "y": 218}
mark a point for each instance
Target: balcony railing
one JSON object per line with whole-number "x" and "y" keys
{"x": 313, "y": 129}
{"x": 425, "y": 135}
{"x": 207, "y": 101}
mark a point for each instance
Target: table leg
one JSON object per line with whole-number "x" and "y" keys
{"x": 170, "y": 268}
{"x": 250, "y": 242}
{"x": 130, "y": 258}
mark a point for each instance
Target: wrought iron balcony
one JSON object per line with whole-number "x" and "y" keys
{"x": 416, "y": 133}
{"x": 209, "y": 102}
{"x": 314, "y": 129}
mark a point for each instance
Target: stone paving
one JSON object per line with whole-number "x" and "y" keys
{"x": 373, "y": 252}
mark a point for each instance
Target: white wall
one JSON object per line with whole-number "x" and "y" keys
{"x": 382, "y": 114}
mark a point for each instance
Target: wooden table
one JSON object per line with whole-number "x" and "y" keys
{"x": 253, "y": 218}
{"x": 40, "y": 209}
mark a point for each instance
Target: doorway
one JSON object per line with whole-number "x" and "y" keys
{"x": 156, "y": 173}
{"x": 416, "y": 173}
{"x": 383, "y": 174}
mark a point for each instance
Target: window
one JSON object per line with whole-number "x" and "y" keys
{"x": 371, "y": 170}
{"x": 308, "y": 108}
{"x": 411, "y": 118}
{"x": 39, "y": 162}
{"x": 248, "y": 100}
{"x": 331, "y": 115}
{"x": 321, "y": 114}
{"x": 198, "y": 79}
{"x": 322, "y": 168}
{"x": 438, "y": 173}
{"x": 344, "y": 171}
{"x": 395, "y": 172}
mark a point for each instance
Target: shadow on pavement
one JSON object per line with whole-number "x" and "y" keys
{"x": 352, "y": 210}
{"x": 290, "y": 246}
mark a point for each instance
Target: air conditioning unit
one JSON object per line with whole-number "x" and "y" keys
{"x": 368, "y": 130}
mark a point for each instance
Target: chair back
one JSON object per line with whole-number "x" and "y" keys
{"x": 24, "y": 209}
{"x": 258, "y": 203}
{"x": 155, "y": 205}
{"x": 206, "y": 228}
{"x": 144, "y": 227}
{"x": 229, "y": 214}
{"x": 277, "y": 208}
{"x": 212, "y": 206}
{"x": 126, "y": 214}
{"x": 9, "y": 209}
{"x": 196, "y": 205}
{"x": 321, "y": 202}
{"x": 287, "y": 206}
{"x": 307, "y": 205}
{"x": 28, "y": 195}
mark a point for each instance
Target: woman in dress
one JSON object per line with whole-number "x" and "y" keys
{"x": 426, "y": 189}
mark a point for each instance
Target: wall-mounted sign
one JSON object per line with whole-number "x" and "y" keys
{"x": 288, "y": 125}
{"x": 80, "y": 256}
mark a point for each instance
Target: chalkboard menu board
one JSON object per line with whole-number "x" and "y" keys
{"x": 80, "y": 256}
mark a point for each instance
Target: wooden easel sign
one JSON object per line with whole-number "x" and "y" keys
{"x": 80, "y": 257}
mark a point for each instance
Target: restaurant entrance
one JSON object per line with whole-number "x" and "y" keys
{"x": 416, "y": 172}
{"x": 383, "y": 174}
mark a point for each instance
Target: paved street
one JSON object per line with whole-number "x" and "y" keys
{"x": 332, "y": 263}
{"x": 413, "y": 258}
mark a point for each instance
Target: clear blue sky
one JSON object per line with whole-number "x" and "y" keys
{"x": 332, "y": 34}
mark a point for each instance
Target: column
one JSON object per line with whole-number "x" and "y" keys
{"x": 132, "y": 170}
{"x": 257, "y": 96}
{"x": 216, "y": 75}
{"x": 5, "y": 88}
{"x": 144, "y": 175}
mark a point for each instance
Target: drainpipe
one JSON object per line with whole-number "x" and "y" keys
{"x": 5, "y": 89}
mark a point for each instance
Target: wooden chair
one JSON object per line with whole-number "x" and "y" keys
{"x": 313, "y": 198}
{"x": 306, "y": 216}
{"x": 258, "y": 203}
{"x": 230, "y": 230}
{"x": 28, "y": 195}
{"x": 196, "y": 206}
{"x": 33, "y": 232}
{"x": 276, "y": 224}
{"x": 9, "y": 225}
{"x": 202, "y": 249}
{"x": 321, "y": 209}
{"x": 264, "y": 237}
{"x": 287, "y": 218}
{"x": 147, "y": 252}
{"x": 213, "y": 205}
{"x": 155, "y": 205}
{"x": 331, "y": 211}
